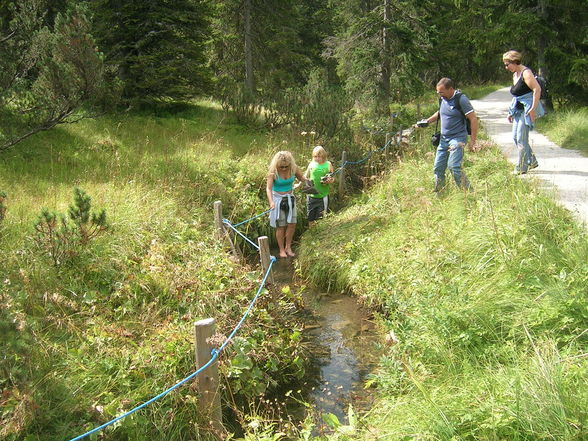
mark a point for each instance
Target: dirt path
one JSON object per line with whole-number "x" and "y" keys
{"x": 562, "y": 172}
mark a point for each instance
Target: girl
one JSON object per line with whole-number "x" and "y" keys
{"x": 318, "y": 171}
{"x": 280, "y": 182}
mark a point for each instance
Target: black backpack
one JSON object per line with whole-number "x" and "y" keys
{"x": 543, "y": 83}
{"x": 458, "y": 107}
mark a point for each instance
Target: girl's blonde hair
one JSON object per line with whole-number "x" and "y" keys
{"x": 320, "y": 150}
{"x": 512, "y": 56}
{"x": 280, "y": 159}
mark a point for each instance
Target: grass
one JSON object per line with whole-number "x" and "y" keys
{"x": 567, "y": 128}
{"x": 99, "y": 334}
{"x": 486, "y": 292}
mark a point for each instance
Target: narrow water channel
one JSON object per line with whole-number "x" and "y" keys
{"x": 343, "y": 346}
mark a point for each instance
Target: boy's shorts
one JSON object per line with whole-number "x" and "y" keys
{"x": 316, "y": 207}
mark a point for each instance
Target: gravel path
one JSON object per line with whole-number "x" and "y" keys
{"x": 562, "y": 172}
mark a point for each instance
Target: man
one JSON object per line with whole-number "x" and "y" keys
{"x": 454, "y": 134}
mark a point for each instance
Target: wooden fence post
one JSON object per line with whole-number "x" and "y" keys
{"x": 265, "y": 257}
{"x": 221, "y": 230}
{"x": 386, "y": 143}
{"x": 207, "y": 381}
{"x": 342, "y": 174}
{"x": 218, "y": 220}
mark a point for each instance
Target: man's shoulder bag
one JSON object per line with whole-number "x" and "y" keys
{"x": 436, "y": 137}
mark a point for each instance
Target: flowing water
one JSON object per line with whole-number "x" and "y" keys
{"x": 343, "y": 345}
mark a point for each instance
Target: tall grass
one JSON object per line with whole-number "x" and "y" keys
{"x": 567, "y": 128}
{"x": 486, "y": 292}
{"x": 94, "y": 336}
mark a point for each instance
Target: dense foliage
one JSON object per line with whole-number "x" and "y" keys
{"x": 50, "y": 70}
{"x": 157, "y": 47}
{"x": 258, "y": 56}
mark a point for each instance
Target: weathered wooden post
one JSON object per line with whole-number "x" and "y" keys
{"x": 386, "y": 144}
{"x": 342, "y": 174}
{"x": 218, "y": 219}
{"x": 207, "y": 381}
{"x": 265, "y": 257}
{"x": 221, "y": 229}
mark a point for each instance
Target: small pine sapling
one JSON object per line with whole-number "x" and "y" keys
{"x": 63, "y": 238}
{"x": 89, "y": 225}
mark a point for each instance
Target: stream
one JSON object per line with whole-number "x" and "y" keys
{"x": 344, "y": 347}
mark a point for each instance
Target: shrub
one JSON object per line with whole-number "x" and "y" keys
{"x": 63, "y": 239}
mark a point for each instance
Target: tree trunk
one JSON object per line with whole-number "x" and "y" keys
{"x": 386, "y": 68}
{"x": 541, "y": 45}
{"x": 249, "y": 80}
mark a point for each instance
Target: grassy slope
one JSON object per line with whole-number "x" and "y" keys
{"x": 567, "y": 128}
{"x": 486, "y": 293}
{"x": 107, "y": 331}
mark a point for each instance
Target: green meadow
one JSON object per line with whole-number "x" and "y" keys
{"x": 480, "y": 298}
{"x": 109, "y": 324}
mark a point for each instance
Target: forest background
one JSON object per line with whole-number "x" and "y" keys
{"x": 287, "y": 60}
{"x": 146, "y": 98}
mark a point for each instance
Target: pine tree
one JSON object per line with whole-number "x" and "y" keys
{"x": 50, "y": 73}
{"x": 157, "y": 46}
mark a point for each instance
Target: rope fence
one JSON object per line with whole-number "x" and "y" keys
{"x": 215, "y": 353}
{"x": 232, "y": 227}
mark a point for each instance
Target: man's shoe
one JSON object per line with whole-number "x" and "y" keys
{"x": 533, "y": 165}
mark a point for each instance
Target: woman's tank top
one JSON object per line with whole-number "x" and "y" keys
{"x": 520, "y": 87}
{"x": 283, "y": 185}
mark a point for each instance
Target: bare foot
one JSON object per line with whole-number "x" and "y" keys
{"x": 290, "y": 253}
{"x": 283, "y": 254}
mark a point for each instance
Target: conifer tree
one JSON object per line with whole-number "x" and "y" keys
{"x": 157, "y": 46}
{"x": 50, "y": 73}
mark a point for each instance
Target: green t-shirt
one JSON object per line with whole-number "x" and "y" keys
{"x": 315, "y": 172}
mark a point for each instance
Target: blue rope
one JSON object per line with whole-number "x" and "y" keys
{"x": 346, "y": 163}
{"x": 249, "y": 220}
{"x": 214, "y": 355}
{"x": 225, "y": 221}
{"x": 230, "y": 337}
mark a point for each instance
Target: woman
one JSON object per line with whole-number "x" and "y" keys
{"x": 280, "y": 183}
{"x": 524, "y": 109}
